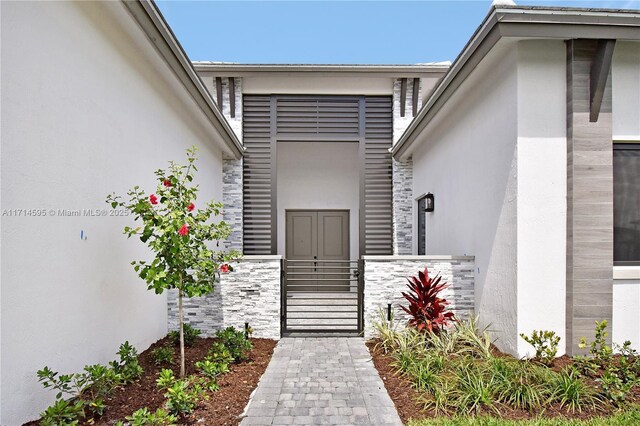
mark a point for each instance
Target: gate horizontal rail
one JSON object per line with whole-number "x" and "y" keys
{"x": 322, "y": 296}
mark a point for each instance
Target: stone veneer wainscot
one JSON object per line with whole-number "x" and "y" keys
{"x": 251, "y": 293}
{"x": 386, "y": 278}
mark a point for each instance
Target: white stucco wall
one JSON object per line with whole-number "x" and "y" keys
{"x": 626, "y": 127}
{"x": 499, "y": 180}
{"x": 467, "y": 158}
{"x": 88, "y": 108}
{"x": 626, "y": 303}
{"x": 626, "y": 91}
{"x": 317, "y": 85}
{"x": 318, "y": 176}
{"x": 542, "y": 189}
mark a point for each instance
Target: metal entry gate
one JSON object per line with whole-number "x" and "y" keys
{"x": 322, "y": 296}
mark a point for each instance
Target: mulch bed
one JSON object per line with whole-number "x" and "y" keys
{"x": 407, "y": 399}
{"x": 222, "y": 408}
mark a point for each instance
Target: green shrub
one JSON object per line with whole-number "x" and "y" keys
{"x": 424, "y": 375}
{"x": 385, "y": 330}
{"x": 212, "y": 369}
{"x": 614, "y": 388}
{"x": 76, "y": 395}
{"x": 545, "y": 343}
{"x": 82, "y": 393}
{"x": 162, "y": 355}
{"x": 101, "y": 380}
{"x": 599, "y": 349}
{"x": 571, "y": 392}
{"x": 71, "y": 385}
{"x": 519, "y": 384}
{"x": 183, "y": 395}
{"x": 165, "y": 379}
{"x": 96, "y": 406}
{"x": 144, "y": 417}
{"x": 219, "y": 353}
{"x": 441, "y": 399}
{"x": 465, "y": 339}
{"x": 210, "y": 384}
{"x": 404, "y": 360}
{"x": 586, "y": 366}
{"x": 629, "y": 417}
{"x": 63, "y": 413}
{"x": 474, "y": 390}
{"x": 128, "y": 366}
{"x": 628, "y": 363}
{"x": 236, "y": 342}
{"x": 190, "y": 335}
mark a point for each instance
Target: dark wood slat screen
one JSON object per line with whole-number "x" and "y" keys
{"x": 378, "y": 209}
{"x": 317, "y": 118}
{"x": 257, "y": 176}
{"x": 268, "y": 119}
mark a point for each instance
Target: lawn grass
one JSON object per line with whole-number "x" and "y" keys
{"x": 627, "y": 417}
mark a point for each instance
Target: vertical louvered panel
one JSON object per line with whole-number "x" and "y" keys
{"x": 257, "y": 175}
{"x": 378, "y": 135}
{"x": 306, "y": 118}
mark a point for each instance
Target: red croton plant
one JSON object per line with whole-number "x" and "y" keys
{"x": 428, "y": 311}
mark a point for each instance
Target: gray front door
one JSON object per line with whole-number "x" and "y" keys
{"x": 315, "y": 239}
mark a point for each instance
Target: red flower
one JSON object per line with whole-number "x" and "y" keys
{"x": 224, "y": 268}
{"x": 184, "y": 230}
{"x": 191, "y": 206}
{"x": 167, "y": 183}
{"x": 153, "y": 199}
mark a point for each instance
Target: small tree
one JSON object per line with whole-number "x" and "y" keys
{"x": 179, "y": 234}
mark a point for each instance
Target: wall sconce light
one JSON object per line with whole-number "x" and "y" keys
{"x": 430, "y": 202}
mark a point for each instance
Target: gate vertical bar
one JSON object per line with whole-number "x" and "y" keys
{"x": 360, "y": 295}
{"x": 274, "y": 173}
{"x": 283, "y": 297}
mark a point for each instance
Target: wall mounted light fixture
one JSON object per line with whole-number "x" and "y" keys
{"x": 430, "y": 202}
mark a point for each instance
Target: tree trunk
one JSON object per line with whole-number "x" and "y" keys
{"x": 181, "y": 331}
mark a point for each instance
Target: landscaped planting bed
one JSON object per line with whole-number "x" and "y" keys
{"x": 220, "y": 387}
{"x": 441, "y": 370}
{"x": 467, "y": 385}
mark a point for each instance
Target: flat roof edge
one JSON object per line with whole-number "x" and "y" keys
{"x": 437, "y": 67}
{"x": 519, "y": 22}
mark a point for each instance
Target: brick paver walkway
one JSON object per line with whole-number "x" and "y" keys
{"x": 321, "y": 381}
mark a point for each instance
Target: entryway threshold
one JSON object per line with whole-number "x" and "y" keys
{"x": 321, "y": 334}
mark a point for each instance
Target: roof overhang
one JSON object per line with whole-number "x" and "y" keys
{"x": 226, "y": 69}
{"x": 519, "y": 22}
{"x": 150, "y": 19}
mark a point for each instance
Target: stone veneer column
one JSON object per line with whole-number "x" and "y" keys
{"x": 589, "y": 200}
{"x": 402, "y": 171}
{"x": 400, "y": 123}
{"x": 236, "y": 121}
{"x": 402, "y": 206}
{"x": 231, "y": 168}
{"x": 232, "y": 200}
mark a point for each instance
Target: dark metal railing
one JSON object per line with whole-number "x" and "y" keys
{"x": 322, "y": 296}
